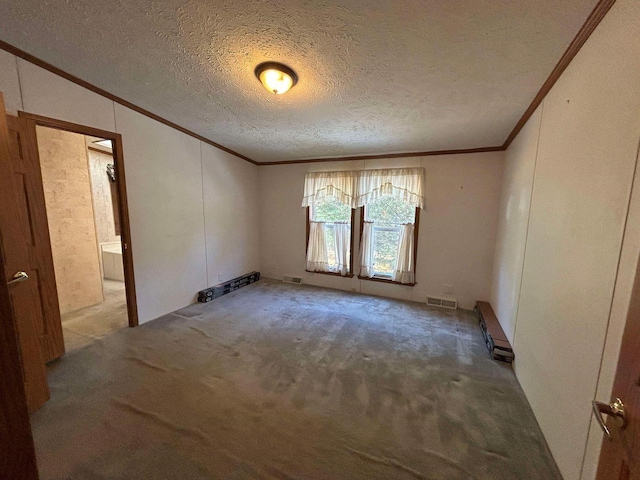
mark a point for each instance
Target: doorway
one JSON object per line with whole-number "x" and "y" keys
{"x": 37, "y": 162}
{"x": 105, "y": 160}
{"x": 81, "y": 199}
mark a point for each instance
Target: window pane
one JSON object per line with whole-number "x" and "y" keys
{"x": 331, "y": 210}
{"x": 385, "y": 250}
{"x": 390, "y": 212}
{"x": 387, "y": 214}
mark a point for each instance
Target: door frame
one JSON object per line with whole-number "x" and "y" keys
{"x": 123, "y": 208}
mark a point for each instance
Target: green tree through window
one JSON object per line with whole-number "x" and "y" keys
{"x": 331, "y": 210}
{"x": 387, "y": 214}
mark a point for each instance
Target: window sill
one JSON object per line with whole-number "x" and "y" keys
{"x": 333, "y": 274}
{"x": 386, "y": 280}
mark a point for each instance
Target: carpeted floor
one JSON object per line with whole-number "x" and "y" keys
{"x": 276, "y": 381}
{"x": 84, "y": 326}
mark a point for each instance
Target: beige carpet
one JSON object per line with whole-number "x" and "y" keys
{"x": 276, "y": 381}
{"x": 81, "y": 327}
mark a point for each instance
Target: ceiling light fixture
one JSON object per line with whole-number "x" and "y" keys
{"x": 276, "y": 77}
{"x": 104, "y": 143}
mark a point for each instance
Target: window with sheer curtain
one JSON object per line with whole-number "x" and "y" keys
{"x": 329, "y": 242}
{"x": 389, "y": 216}
{"x": 391, "y": 199}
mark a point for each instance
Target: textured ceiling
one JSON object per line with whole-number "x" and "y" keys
{"x": 375, "y": 76}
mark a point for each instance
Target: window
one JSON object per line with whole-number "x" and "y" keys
{"x": 388, "y": 214}
{"x": 390, "y": 198}
{"x": 336, "y": 218}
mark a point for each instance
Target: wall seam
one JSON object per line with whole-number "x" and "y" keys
{"x": 526, "y": 237}
{"x": 615, "y": 284}
{"x": 115, "y": 120}
{"x": 19, "y": 83}
{"x": 204, "y": 217}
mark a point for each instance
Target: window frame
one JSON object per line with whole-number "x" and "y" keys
{"x": 349, "y": 274}
{"x": 415, "y": 251}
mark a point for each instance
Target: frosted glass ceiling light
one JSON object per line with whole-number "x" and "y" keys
{"x": 104, "y": 143}
{"x": 276, "y": 77}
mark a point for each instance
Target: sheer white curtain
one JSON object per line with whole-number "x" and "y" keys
{"x": 342, "y": 238}
{"x": 404, "y": 272}
{"x": 366, "y": 250}
{"x": 317, "y": 256}
{"x": 319, "y": 185}
{"x": 403, "y": 183}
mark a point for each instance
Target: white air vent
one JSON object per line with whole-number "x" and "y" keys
{"x": 290, "y": 279}
{"x": 442, "y": 302}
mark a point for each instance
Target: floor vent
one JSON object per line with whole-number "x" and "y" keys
{"x": 442, "y": 302}
{"x": 290, "y": 279}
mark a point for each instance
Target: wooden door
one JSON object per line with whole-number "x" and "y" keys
{"x": 17, "y": 455}
{"x": 620, "y": 454}
{"x": 25, "y": 164}
{"x": 24, "y": 295}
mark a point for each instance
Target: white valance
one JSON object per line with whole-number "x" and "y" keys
{"x": 402, "y": 183}
{"x": 358, "y": 188}
{"x": 319, "y": 185}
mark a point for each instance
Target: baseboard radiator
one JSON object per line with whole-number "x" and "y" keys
{"x": 229, "y": 286}
{"x": 497, "y": 343}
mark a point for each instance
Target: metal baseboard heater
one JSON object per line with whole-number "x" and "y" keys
{"x": 229, "y": 286}
{"x": 497, "y": 343}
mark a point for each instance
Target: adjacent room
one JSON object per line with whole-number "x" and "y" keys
{"x": 320, "y": 240}
{"x": 78, "y": 179}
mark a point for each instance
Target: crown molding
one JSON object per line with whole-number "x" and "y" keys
{"x": 387, "y": 155}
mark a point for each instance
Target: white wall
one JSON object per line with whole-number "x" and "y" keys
{"x": 517, "y": 185}
{"x": 231, "y": 215}
{"x": 457, "y": 228}
{"x": 10, "y": 83}
{"x": 587, "y": 133}
{"x": 168, "y": 196}
{"x": 165, "y": 208}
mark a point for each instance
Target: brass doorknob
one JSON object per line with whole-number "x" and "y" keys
{"x": 614, "y": 409}
{"x": 18, "y": 277}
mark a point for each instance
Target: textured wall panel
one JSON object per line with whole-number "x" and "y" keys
{"x": 102, "y": 202}
{"x": 67, "y": 191}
